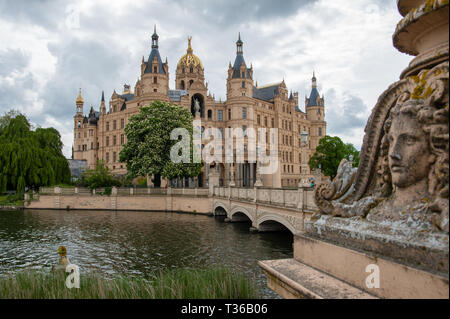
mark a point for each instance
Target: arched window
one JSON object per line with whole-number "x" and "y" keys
{"x": 191, "y": 82}
{"x": 182, "y": 85}
{"x": 209, "y": 114}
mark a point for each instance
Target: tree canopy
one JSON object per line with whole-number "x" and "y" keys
{"x": 147, "y": 151}
{"x": 329, "y": 154}
{"x": 29, "y": 158}
{"x": 99, "y": 177}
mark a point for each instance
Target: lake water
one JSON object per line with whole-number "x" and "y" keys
{"x": 136, "y": 243}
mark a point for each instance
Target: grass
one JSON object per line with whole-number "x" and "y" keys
{"x": 213, "y": 283}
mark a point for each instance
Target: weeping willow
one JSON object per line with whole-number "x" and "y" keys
{"x": 30, "y": 158}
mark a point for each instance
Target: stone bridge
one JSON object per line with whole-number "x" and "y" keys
{"x": 268, "y": 209}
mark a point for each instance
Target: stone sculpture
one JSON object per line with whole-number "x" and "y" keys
{"x": 404, "y": 168}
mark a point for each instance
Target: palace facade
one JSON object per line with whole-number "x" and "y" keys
{"x": 100, "y": 135}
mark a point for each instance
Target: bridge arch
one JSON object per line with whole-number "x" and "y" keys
{"x": 220, "y": 209}
{"x": 270, "y": 222}
{"x": 239, "y": 214}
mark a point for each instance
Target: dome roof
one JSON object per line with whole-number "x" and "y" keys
{"x": 79, "y": 98}
{"x": 190, "y": 59}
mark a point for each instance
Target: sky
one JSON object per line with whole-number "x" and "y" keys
{"x": 51, "y": 48}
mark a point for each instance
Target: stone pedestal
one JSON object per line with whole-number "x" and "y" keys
{"x": 382, "y": 231}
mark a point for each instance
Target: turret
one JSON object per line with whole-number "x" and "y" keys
{"x": 79, "y": 103}
{"x": 315, "y": 112}
{"x": 154, "y": 73}
{"x": 240, "y": 78}
{"x": 102, "y": 104}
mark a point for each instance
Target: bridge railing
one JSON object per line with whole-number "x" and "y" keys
{"x": 123, "y": 191}
{"x": 301, "y": 198}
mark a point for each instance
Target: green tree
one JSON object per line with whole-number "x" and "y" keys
{"x": 147, "y": 151}
{"x": 29, "y": 158}
{"x": 99, "y": 177}
{"x": 329, "y": 154}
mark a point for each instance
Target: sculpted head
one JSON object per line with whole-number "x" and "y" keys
{"x": 415, "y": 144}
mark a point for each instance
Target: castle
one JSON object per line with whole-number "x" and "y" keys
{"x": 100, "y": 134}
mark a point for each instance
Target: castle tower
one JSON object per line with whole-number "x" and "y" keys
{"x": 240, "y": 78}
{"x": 190, "y": 76}
{"x": 315, "y": 113}
{"x": 154, "y": 74}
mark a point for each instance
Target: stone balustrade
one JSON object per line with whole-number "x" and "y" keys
{"x": 301, "y": 198}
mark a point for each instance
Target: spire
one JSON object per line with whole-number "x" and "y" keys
{"x": 239, "y": 45}
{"x": 155, "y": 38}
{"x": 314, "y": 80}
{"x": 103, "y": 96}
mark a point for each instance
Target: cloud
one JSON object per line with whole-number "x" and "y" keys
{"x": 51, "y": 48}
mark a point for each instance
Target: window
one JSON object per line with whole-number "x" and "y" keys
{"x": 79, "y": 147}
{"x": 114, "y": 140}
{"x": 114, "y": 157}
{"x": 265, "y": 120}
{"x": 155, "y": 69}
{"x": 122, "y": 139}
{"x": 79, "y": 135}
{"x": 209, "y": 114}
{"x": 107, "y": 157}
{"x": 107, "y": 141}
{"x": 155, "y": 90}
{"x": 191, "y": 70}
{"x": 92, "y": 145}
{"x": 273, "y": 122}
{"x": 244, "y": 130}
{"x": 107, "y": 126}
{"x": 79, "y": 124}
{"x": 220, "y": 115}
{"x": 243, "y": 74}
{"x": 220, "y": 132}
{"x": 290, "y": 140}
{"x": 122, "y": 123}
{"x": 320, "y": 131}
{"x": 155, "y": 79}
{"x": 91, "y": 132}
{"x": 114, "y": 124}
{"x": 243, "y": 84}
{"x": 244, "y": 113}
{"x": 258, "y": 119}
{"x": 229, "y": 114}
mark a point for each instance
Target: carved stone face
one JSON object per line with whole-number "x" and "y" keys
{"x": 409, "y": 154}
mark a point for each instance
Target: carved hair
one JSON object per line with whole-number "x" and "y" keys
{"x": 434, "y": 123}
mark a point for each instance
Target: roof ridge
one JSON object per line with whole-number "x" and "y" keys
{"x": 269, "y": 85}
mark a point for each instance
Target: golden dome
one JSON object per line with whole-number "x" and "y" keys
{"x": 80, "y": 98}
{"x": 190, "y": 59}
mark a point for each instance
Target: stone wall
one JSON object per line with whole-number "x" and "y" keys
{"x": 187, "y": 203}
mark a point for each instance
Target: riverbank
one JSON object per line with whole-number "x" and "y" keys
{"x": 11, "y": 202}
{"x": 187, "y": 283}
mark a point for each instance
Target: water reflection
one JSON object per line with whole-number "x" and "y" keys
{"x": 136, "y": 243}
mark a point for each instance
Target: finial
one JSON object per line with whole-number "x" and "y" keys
{"x": 154, "y": 29}
{"x": 189, "y": 49}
